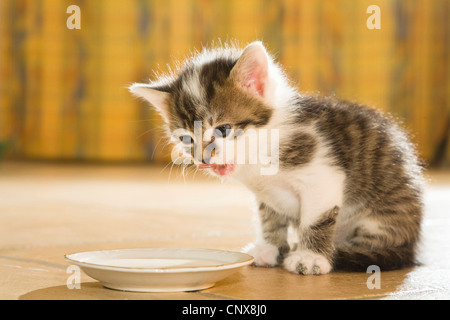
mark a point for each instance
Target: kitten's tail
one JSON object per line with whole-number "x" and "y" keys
{"x": 358, "y": 259}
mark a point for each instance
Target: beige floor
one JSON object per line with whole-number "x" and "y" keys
{"x": 48, "y": 210}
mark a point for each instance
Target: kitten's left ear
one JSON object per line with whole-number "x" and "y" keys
{"x": 158, "y": 97}
{"x": 252, "y": 68}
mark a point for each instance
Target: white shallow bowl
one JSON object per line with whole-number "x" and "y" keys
{"x": 159, "y": 269}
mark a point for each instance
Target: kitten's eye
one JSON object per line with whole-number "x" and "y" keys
{"x": 186, "y": 139}
{"x": 223, "y": 130}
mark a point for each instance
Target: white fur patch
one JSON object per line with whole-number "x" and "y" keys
{"x": 321, "y": 187}
{"x": 264, "y": 253}
{"x": 307, "y": 192}
{"x": 281, "y": 198}
{"x": 319, "y": 184}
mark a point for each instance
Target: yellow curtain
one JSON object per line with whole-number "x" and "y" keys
{"x": 63, "y": 92}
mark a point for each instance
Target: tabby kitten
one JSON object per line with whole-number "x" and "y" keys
{"x": 348, "y": 183}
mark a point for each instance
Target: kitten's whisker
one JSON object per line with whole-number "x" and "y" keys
{"x": 144, "y": 133}
{"x": 191, "y": 169}
{"x": 195, "y": 171}
{"x": 145, "y": 120}
{"x": 170, "y": 172}
{"x": 171, "y": 167}
{"x": 183, "y": 173}
{"x": 155, "y": 147}
{"x": 165, "y": 167}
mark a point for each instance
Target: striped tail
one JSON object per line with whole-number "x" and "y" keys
{"x": 358, "y": 259}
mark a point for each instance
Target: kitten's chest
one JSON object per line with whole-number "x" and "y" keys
{"x": 309, "y": 191}
{"x": 276, "y": 192}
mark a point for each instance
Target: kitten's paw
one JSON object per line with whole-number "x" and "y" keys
{"x": 265, "y": 254}
{"x": 307, "y": 262}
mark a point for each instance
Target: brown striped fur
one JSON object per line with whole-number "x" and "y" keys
{"x": 378, "y": 220}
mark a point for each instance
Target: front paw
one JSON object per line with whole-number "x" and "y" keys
{"x": 265, "y": 254}
{"x": 307, "y": 262}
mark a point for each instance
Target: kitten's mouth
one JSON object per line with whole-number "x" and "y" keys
{"x": 219, "y": 169}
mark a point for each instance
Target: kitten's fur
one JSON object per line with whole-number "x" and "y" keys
{"x": 349, "y": 182}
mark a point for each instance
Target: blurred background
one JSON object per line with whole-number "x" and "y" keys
{"x": 63, "y": 92}
{"x": 85, "y": 166}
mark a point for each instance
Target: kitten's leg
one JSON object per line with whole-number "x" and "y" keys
{"x": 271, "y": 245}
{"x": 315, "y": 250}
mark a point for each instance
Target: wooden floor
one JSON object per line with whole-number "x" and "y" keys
{"x": 48, "y": 210}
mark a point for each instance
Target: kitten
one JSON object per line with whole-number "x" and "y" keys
{"x": 348, "y": 181}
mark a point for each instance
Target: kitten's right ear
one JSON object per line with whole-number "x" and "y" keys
{"x": 157, "y": 98}
{"x": 251, "y": 71}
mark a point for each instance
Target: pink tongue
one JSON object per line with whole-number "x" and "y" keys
{"x": 221, "y": 169}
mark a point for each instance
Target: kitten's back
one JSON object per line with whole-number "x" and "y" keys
{"x": 384, "y": 183}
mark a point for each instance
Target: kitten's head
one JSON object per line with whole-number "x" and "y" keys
{"x": 213, "y": 99}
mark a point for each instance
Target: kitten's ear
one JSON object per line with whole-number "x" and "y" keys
{"x": 251, "y": 69}
{"x": 157, "y": 97}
